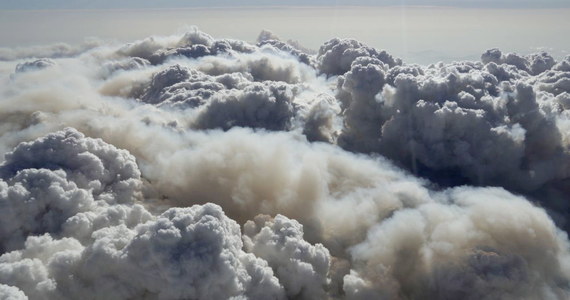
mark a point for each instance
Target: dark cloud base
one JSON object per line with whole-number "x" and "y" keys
{"x": 189, "y": 167}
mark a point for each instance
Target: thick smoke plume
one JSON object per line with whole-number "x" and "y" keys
{"x": 189, "y": 167}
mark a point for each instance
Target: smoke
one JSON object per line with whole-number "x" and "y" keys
{"x": 301, "y": 267}
{"x": 189, "y": 167}
{"x": 47, "y": 51}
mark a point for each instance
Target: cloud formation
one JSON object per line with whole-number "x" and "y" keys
{"x": 189, "y": 167}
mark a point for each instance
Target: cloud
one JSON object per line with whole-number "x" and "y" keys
{"x": 336, "y": 56}
{"x": 111, "y": 174}
{"x": 301, "y": 267}
{"x": 49, "y": 184}
{"x": 483, "y": 124}
{"x": 47, "y": 51}
{"x": 190, "y": 167}
{"x": 303, "y": 54}
{"x": 477, "y": 246}
{"x": 11, "y": 293}
{"x": 196, "y": 253}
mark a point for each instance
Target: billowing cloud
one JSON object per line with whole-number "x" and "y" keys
{"x": 483, "y": 244}
{"x": 34, "y": 65}
{"x": 301, "y": 267}
{"x": 190, "y": 167}
{"x": 336, "y": 56}
{"x": 11, "y": 293}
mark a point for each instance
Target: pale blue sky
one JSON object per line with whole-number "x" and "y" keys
{"x": 86, "y": 4}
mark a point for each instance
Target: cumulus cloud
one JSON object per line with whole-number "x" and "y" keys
{"x": 482, "y": 244}
{"x": 34, "y": 65}
{"x": 195, "y": 254}
{"x": 533, "y": 64}
{"x": 336, "y": 56}
{"x": 190, "y": 167}
{"x": 110, "y": 173}
{"x": 47, "y": 51}
{"x": 303, "y": 54}
{"x": 38, "y": 201}
{"x": 301, "y": 267}
{"x": 11, "y": 293}
{"x": 66, "y": 182}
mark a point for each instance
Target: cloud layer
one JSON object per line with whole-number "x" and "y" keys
{"x": 189, "y": 167}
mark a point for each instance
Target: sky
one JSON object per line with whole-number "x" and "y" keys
{"x": 417, "y": 34}
{"x": 86, "y": 4}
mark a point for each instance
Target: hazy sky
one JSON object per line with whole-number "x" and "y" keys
{"x": 421, "y": 31}
{"x": 85, "y": 4}
{"x": 417, "y": 34}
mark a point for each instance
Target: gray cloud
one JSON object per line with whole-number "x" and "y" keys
{"x": 34, "y": 65}
{"x": 129, "y": 171}
{"x": 51, "y": 184}
{"x": 301, "y": 267}
{"x": 48, "y": 51}
{"x": 458, "y": 251}
{"x": 11, "y": 293}
{"x": 61, "y": 4}
{"x": 336, "y": 56}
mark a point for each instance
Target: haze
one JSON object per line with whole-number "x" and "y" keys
{"x": 416, "y": 34}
